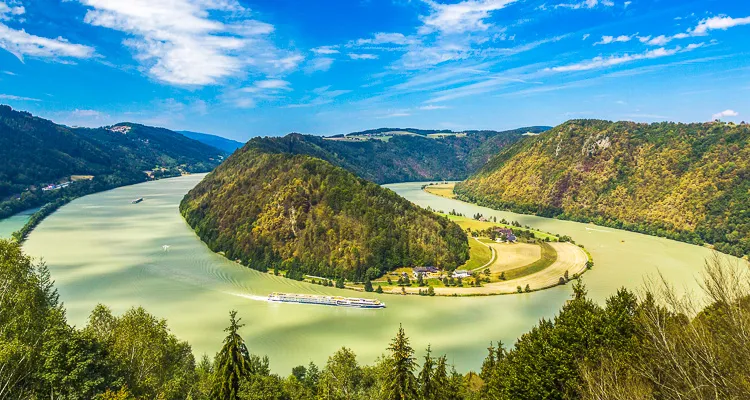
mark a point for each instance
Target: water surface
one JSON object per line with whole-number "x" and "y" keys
{"x": 15, "y": 222}
{"x": 103, "y": 249}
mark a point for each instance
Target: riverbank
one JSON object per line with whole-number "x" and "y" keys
{"x": 100, "y": 249}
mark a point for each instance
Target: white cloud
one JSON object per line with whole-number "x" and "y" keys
{"x": 327, "y": 50}
{"x": 394, "y": 115}
{"x": 268, "y": 84}
{"x": 586, "y": 36}
{"x": 261, "y": 90}
{"x": 586, "y": 4}
{"x": 603, "y": 62}
{"x": 386, "y": 38}
{"x": 614, "y": 39}
{"x": 22, "y": 44}
{"x": 487, "y": 85}
{"x": 87, "y": 113}
{"x": 8, "y": 11}
{"x": 627, "y": 4}
{"x": 432, "y": 107}
{"x": 17, "y": 98}
{"x": 319, "y": 64}
{"x": 192, "y": 42}
{"x": 11, "y": 73}
{"x": 354, "y": 56}
{"x": 457, "y": 18}
{"x": 721, "y": 22}
{"x": 322, "y": 95}
{"x": 725, "y": 113}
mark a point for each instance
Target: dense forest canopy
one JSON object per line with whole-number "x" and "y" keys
{"x": 689, "y": 182}
{"x": 299, "y": 213}
{"x": 406, "y": 158}
{"x": 36, "y": 152}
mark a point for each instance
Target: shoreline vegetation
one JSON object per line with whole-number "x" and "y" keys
{"x": 649, "y": 344}
{"x": 557, "y": 261}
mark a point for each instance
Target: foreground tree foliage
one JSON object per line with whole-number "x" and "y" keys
{"x": 657, "y": 346}
{"x": 688, "y": 182}
{"x": 305, "y": 215}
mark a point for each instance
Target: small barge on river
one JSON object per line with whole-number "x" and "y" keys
{"x": 325, "y": 300}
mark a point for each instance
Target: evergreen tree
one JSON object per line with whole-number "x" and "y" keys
{"x": 379, "y": 289}
{"x": 232, "y": 362}
{"x": 456, "y": 386}
{"x": 426, "y": 383}
{"x": 489, "y": 364}
{"x": 340, "y": 282}
{"x": 368, "y": 285}
{"x": 440, "y": 379}
{"x": 401, "y": 384}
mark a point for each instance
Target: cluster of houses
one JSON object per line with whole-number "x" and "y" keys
{"x": 504, "y": 235}
{"x": 55, "y": 186}
{"x": 123, "y": 129}
{"x": 425, "y": 272}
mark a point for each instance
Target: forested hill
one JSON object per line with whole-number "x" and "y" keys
{"x": 690, "y": 182}
{"x": 305, "y": 215}
{"x": 401, "y": 158}
{"x": 37, "y": 152}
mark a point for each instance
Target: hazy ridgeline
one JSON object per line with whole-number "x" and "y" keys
{"x": 653, "y": 345}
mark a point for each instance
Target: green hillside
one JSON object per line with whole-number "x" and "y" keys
{"x": 402, "y": 158}
{"x": 689, "y": 182}
{"x": 37, "y": 152}
{"x": 305, "y": 215}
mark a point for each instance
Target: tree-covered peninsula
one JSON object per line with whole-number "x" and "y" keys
{"x": 689, "y": 182}
{"x": 274, "y": 210}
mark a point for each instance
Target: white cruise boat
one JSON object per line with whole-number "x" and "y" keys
{"x": 325, "y": 300}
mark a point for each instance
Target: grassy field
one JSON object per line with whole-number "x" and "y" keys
{"x": 479, "y": 255}
{"x": 443, "y": 190}
{"x": 474, "y": 225}
{"x": 549, "y": 256}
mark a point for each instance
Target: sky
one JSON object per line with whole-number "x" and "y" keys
{"x": 244, "y": 68}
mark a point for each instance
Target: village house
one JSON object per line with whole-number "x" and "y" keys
{"x": 459, "y": 273}
{"x": 504, "y": 235}
{"x": 423, "y": 271}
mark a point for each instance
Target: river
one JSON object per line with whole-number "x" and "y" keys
{"x": 14, "y": 223}
{"x": 103, "y": 249}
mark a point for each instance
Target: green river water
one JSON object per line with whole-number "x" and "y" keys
{"x": 14, "y": 223}
{"x": 103, "y": 249}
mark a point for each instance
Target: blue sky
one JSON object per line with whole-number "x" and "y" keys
{"x": 242, "y": 68}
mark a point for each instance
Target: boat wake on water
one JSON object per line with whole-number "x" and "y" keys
{"x": 249, "y": 296}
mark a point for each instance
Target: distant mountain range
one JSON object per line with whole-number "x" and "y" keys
{"x": 37, "y": 152}
{"x": 689, "y": 182}
{"x": 221, "y": 143}
{"x": 400, "y": 158}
